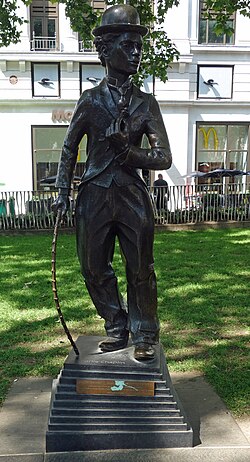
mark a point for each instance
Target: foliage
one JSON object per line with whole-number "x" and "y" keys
{"x": 83, "y": 18}
{"x": 158, "y": 51}
{"x": 222, "y": 10}
{"x": 10, "y": 22}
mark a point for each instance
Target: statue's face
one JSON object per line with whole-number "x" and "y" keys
{"x": 125, "y": 54}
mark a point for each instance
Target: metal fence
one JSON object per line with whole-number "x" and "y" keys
{"x": 30, "y": 210}
{"x": 202, "y": 203}
{"x": 178, "y": 205}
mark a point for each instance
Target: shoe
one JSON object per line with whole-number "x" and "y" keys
{"x": 144, "y": 352}
{"x": 113, "y": 343}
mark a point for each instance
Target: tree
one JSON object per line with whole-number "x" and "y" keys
{"x": 158, "y": 51}
{"x": 10, "y": 21}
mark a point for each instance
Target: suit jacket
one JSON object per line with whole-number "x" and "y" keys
{"x": 93, "y": 114}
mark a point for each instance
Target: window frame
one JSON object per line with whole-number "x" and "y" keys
{"x": 46, "y": 63}
{"x": 227, "y": 150}
{"x": 82, "y": 65}
{"x": 216, "y": 66}
{"x": 35, "y": 149}
{"x": 207, "y": 42}
{"x": 45, "y": 11}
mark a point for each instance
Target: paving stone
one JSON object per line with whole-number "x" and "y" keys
{"x": 156, "y": 455}
{"x": 24, "y": 416}
{"x": 212, "y": 423}
{"x": 23, "y": 458}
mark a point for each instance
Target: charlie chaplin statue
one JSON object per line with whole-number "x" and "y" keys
{"x": 113, "y": 200}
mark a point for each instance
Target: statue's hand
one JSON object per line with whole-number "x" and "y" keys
{"x": 118, "y": 136}
{"x": 61, "y": 203}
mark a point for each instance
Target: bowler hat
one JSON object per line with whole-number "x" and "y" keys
{"x": 120, "y": 18}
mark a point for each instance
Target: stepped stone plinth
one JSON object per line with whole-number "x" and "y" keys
{"x": 111, "y": 401}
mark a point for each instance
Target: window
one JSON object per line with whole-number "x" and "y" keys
{"x": 90, "y": 75}
{"x": 44, "y": 25}
{"x": 215, "y": 82}
{"x": 99, "y": 6}
{"x": 222, "y": 146}
{"x": 206, "y": 28}
{"x": 45, "y": 79}
{"x": 47, "y": 145}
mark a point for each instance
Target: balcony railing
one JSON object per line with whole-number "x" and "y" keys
{"x": 44, "y": 44}
{"x": 181, "y": 204}
{"x": 83, "y": 49}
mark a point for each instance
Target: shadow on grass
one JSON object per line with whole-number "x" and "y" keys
{"x": 203, "y": 293}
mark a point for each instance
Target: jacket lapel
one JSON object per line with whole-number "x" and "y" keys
{"x": 107, "y": 100}
{"x": 135, "y": 101}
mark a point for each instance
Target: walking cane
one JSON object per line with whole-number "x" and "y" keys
{"x": 54, "y": 287}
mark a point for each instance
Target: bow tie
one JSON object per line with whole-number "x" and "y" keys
{"x": 122, "y": 90}
{"x": 113, "y": 83}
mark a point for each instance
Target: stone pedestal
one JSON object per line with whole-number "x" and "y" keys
{"x": 111, "y": 401}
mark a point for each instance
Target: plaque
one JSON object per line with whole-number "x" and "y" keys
{"x": 115, "y": 387}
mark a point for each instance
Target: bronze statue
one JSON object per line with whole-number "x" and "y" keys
{"x": 113, "y": 200}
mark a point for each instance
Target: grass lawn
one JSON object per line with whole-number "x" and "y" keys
{"x": 204, "y": 298}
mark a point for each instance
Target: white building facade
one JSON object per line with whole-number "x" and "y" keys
{"x": 205, "y": 102}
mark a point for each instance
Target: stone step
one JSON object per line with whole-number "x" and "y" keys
{"x": 110, "y": 374}
{"x": 105, "y": 440}
{"x": 142, "y": 367}
{"x": 61, "y": 411}
{"x": 115, "y": 419}
{"x": 115, "y": 428}
{"x": 72, "y": 404}
{"x": 81, "y": 397}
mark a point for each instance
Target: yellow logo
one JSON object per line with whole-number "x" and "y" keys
{"x": 206, "y": 135}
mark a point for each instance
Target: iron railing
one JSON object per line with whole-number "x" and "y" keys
{"x": 201, "y": 203}
{"x": 178, "y": 205}
{"x": 30, "y": 210}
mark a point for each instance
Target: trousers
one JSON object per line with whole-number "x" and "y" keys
{"x": 122, "y": 212}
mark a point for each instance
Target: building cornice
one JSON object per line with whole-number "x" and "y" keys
{"x": 49, "y": 57}
{"x": 215, "y": 49}
{"x": 43, "y": 101}
{"x": 46, "y": 101}
{"x": 213, "y": 103}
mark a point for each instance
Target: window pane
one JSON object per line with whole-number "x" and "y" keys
{"x": 38, "y": 27}
{"x": 208, "y": 157}
{"x": 212, "y": 36}
{"x": 51, "y": 28}
{"x": 48, "y": 143}
{"x": 49, "y": 138}
{"x": 237, "y": 137}
{"x": 211, "y": 161}
{"x": 237, "y": 160}
{"x": 230, "y": 38}
{"x": 202, "y": 31}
